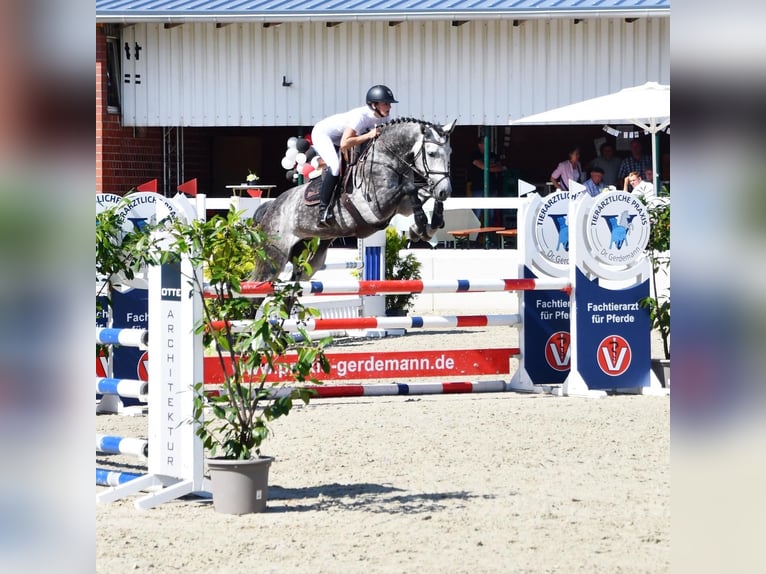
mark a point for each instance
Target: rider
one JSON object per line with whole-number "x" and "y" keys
{"x": 346, "y": 130}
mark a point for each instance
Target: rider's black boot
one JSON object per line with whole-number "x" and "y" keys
{"x": 325, "y": 195}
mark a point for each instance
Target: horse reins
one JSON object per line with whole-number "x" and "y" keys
{"x": 425, "y": 174}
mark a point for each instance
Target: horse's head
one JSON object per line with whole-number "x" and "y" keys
{"x": 432, "y": 153}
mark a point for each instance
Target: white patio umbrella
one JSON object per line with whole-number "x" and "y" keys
{"x": 646, "y": 106}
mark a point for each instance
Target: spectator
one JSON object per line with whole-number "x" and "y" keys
{"x": 636, "y": 161}
{"x": 608, "y": 162}
{"x": 640, "y": 187}
{"x": 567, "y": 169}
{"x": 595, "y": 184}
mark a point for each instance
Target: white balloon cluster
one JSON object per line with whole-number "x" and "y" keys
{"x": 300, "y": 159}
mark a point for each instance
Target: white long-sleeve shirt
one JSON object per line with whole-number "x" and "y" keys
{"x": 328, "y": 132}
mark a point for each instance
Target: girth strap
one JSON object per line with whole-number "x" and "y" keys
{"x": 364, "y": 226}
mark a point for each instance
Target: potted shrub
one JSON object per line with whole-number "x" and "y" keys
{"x": 234, "y": 422}
{"x": 398, "y": 267}
{"x": 658, "y": 303}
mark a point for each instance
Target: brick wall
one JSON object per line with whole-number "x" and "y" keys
{"x": 125, "y": 157}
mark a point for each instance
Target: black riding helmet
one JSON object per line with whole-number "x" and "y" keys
{"x": 379, "y": 94}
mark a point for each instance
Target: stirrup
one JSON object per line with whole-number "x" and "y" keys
{"x": 325, "y": 216}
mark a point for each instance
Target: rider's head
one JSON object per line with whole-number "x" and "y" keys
{"x": 380, "y": 98}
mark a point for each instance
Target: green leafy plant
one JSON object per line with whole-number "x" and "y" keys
{"x": 398, "y": 267}
{"x": 658, "y": 251}
{"x": 119, "y": 253}
{"x": 234, "y": 423}
{"x": 119, "y": 256}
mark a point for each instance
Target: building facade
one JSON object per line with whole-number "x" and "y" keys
{"x": 209, "y": 92}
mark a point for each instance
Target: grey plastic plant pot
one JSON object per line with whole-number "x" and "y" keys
{"x": 239, "y": 486}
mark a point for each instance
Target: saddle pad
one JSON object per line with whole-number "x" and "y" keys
{"x": 311, "y": 193}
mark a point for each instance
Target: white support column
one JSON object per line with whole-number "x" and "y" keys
{"x": 176, "y": 456}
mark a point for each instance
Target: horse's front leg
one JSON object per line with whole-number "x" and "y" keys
{"x": 423, "y": 229}
{"x": 437, "y": 219}
{"x": 420, "y": 228}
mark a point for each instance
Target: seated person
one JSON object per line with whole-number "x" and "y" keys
{"x": 641, "y": 188}
{"x": 595, "y": 184}
{"x": 636, "y": 161}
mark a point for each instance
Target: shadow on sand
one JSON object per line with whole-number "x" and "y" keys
{"x": 369, "y": 497}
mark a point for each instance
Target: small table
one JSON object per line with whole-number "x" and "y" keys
{"x": 506, "y": 233}
{"x": 251, "y": 190}
{"x": 465, "y": 234}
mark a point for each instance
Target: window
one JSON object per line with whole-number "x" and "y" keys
{"x": 113, "y": 74}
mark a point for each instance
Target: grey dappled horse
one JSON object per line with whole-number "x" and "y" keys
{"x": 399, "y": 170}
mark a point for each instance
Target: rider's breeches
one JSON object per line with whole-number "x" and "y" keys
{"x": 326, "y": 150}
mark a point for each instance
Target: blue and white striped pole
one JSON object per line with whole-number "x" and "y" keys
{"x": 129, "y": 388}
{"x": 125, "y": 337}
{"x": 106, "y": 477}
{"x": 122, "y": 445}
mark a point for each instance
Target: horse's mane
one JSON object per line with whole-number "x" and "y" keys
{"x": 422, "y": 123}
{"x": 389, "y": 128}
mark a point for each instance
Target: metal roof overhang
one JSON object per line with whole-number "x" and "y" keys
{"x": 269, "y": 16}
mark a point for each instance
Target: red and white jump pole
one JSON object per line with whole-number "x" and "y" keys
{"x": 414, "y": 322}
{"x": 394, "y": 287}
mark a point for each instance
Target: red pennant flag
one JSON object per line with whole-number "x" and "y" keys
{"x": 189, "y": 187}
{"x": 150, "y": 185}
{"x": 254, "y": 192}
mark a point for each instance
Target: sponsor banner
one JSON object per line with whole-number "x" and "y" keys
{"x": 613, "y": 335}
{"x": 129, "y": 311}
{"x": 168, "y": 388}
{"x": 389, "y": 365}
{"x": 546, "y": 335}
{"x": 170, "y": 289}
{"x": 135, "y": 211}
{"x": 107, "y": 201}
{"x": 617, "y": 228}
{"x": 102, "y": 311}
{"x": 552, "y": 228}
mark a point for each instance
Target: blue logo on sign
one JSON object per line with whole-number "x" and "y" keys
{"x": 620, "y": 226}
{"x": 560, "y": 220}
